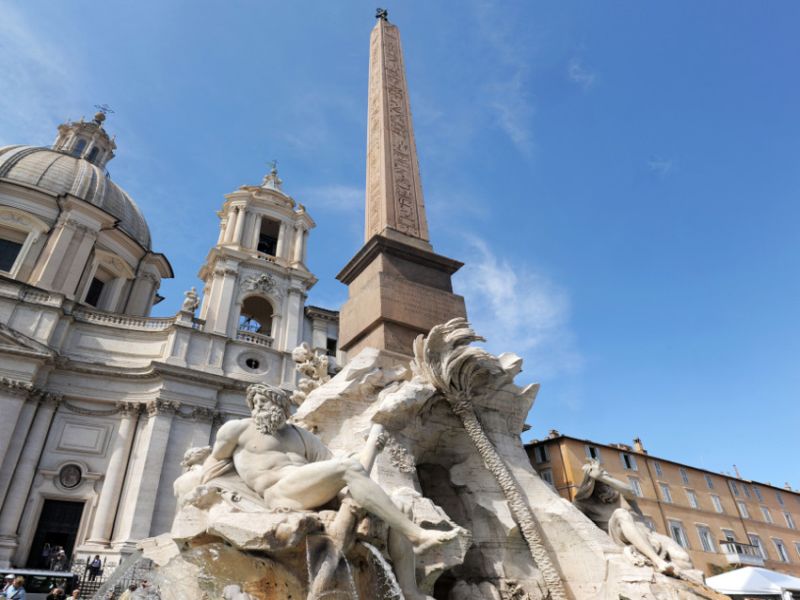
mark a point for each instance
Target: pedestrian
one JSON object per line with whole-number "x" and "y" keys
{"x": 44, "y": 558}
{"x": 59, "y": 562}
{"x": 128, "y": 594}
{"x": 56, "y": 594}
{"x": 94, "y": 567}
{"x": 16, "y": 591}
{"x": 76, "y": 594}
{"x": 7, "y": 581}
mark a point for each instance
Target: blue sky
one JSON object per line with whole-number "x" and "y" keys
{"x": 621, "y": 179}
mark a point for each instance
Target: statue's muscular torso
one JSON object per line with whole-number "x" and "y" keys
{"x": 261, "y": 459}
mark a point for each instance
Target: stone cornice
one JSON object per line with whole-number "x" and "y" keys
{"x": 325, "y": 314}
{"x": 379, "y": 244}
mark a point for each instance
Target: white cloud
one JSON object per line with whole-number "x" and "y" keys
{"x": 514, "y": 111}
{"x": 509, "y": 97}
{"x": 660, "y": 166}
{"x": 518, "y": 310}
{"x": 580, "y": 74}
{"x": 36, "y": 80}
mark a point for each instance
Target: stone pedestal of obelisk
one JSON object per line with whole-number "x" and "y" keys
{"x": 398, "y": 287}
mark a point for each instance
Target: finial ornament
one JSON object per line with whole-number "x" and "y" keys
{"x": 102, "y": 111}
{"x": 382, "y": 14}
{"x": 271, "y": 180}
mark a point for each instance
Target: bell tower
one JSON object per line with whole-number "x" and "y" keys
{"x": 256, "y": 279}
{"x": 398, "y": 287}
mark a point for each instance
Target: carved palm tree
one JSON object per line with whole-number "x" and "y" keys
{"x": 446, "y": 360}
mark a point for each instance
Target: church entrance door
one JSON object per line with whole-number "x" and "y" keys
{"x": 58, "y": 526}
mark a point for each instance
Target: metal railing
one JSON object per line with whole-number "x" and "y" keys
{"x": 741, "y": 554}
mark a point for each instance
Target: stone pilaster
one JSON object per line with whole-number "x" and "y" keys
{"x": 103, "y": 523}
{"x": 293, "y": 323}
{"x": 220, "y": 299}
{"x": 144, "y": 475}
{"x": 13, "y": 394}
{"x": 17, "y": 495}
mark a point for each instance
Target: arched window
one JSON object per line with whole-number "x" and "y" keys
{"x": 93, "y": 154}
{"x": 18, "y": 232}
{"x": 77, "y": 149}
{"x": 256, "y": 316}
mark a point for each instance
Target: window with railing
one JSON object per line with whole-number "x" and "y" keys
{"x": 743, "y": 509}
{"x": 759, "y": 545}
{"x": 593, "y": 452}
{"x": 766, "y": 514}
{"x": 547, "y": 477}
{"x": 678, "y": 533}
{"x": 666, "y": 494}
{"x": 628, "y": 461}
{"x": 706, "y": 539}
{"x": 783, "y": 555}
{"x": 684, "y": 476}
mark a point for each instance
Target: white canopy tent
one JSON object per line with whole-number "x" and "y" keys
{"x": 754, "y": 581}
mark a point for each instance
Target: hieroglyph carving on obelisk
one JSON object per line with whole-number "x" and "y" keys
{"x": 394, "y": 192}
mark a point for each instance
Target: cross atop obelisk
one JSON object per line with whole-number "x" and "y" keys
{"x": 398, "y": 287}
{"x": 395, "y": 206}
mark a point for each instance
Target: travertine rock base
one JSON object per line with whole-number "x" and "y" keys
{"x": 432, "y": 460}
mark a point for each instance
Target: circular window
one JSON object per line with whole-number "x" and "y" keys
{"x": 70, "y": 476}
{"x": 253, "y": 362}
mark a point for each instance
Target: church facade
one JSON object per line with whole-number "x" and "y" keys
{"x": 99, "y": 401}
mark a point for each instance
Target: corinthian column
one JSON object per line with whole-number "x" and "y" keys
{"x": 112, "y": 485}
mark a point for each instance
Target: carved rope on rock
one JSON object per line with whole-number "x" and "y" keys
{"x": 455, "y": 369}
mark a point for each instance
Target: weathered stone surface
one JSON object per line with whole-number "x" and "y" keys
{"x": 206, "y": 571}
{"x": 269, "y": 532}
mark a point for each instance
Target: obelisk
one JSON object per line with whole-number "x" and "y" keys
{"x": 398, "y": 287}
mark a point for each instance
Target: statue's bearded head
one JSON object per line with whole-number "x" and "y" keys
{"x": 269, "y": 407}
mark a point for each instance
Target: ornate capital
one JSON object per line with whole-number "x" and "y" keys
{"x": 162, "y": 407}
{"x": 15, "y": 386}
{"x": 48, "y": 398}
{"x": 128, "y": 409}
{"x": 203, "y": 413}
{"x": 223, "y": 271}
{"x": 147, "y": 275}
{"x": 73, "y": 223}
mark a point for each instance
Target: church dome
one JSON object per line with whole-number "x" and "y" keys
{"x": 59, "y": 173}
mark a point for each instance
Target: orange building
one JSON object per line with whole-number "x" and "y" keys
{"x": 723, "y": 521}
